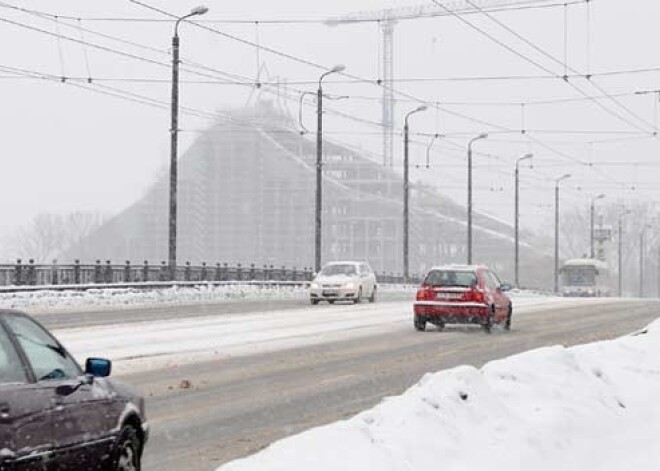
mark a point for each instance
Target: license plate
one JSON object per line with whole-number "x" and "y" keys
{"x": 330, "y": 293}
{"x": 450, "y": 295}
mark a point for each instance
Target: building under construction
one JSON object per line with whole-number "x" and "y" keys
{"x": 247, "y": 195}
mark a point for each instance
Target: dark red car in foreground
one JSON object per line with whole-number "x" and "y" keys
{"x": 462, "y": 294}
{"x": 54, "y": 416}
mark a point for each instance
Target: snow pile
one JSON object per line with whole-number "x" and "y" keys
{"x": 588, "y": 407}
{"x": 132, "y": 297}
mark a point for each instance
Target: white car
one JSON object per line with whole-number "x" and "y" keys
{"x": 344, "y": 281}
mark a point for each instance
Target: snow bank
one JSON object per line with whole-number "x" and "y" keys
{"x": 116, "y": 298}
{"x": 587, "y": 407}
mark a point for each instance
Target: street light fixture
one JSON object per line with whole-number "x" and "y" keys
{"x": 593, "y": 211}
{"x": 557, "y": 182}
{"x": 469, "y": 209}
{"x": 319, "y": 167}
{"x": 428, "y": 149}
{"x": 406, "y": 190}
{"x": 517, "y": 218}
{"x": 174, "y": 140}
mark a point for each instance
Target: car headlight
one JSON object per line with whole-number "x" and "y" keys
{"x": 349, "y": 285}
{"x": 314, "y": 286}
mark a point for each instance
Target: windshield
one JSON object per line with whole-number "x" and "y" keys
{"x": 451, "y": 278}
{"x": 579, "y": 277}
{"x": 339, "y": 269}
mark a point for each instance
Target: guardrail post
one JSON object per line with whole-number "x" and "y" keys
{"x": 266, "y": 273}
{"x": 239, "y": 272}
{"x": 127, "y": 272}
{"x": 273, "y": 275}
{"x": 225, "y": 272}
{"x": 252, "y": 272}
{"x": 18, "y": 272}
{"x": 76, "y": 271}
{"x": 107, "y": 276}
{"x": 163, "y": 274}
{"x": 284, "y": 275}
{"x": 186, "y": 274}
{"x": 54, "y": 275}
{"x": 145, "y": 270}
{"x": 204, "y": 275}
{"x": 218, "y": 272}
{"x": 32, "y": 278}
{"x": 97, "y": 272}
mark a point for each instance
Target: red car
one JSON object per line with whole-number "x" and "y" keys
{"x": 462, "y": 294}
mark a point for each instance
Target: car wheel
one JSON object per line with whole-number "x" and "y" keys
{"x": 420, "y": 323}
{"x": 507, "y": 324}
{"x": 314, "y": 301}
{"x": 372, "y": 298}
{"x": 358, "y": 300}
{"x": 331, "y": 301}
{"x": 488, "y": 325}
{"x": 126, "y": 456}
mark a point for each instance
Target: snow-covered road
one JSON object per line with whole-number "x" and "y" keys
{"x": 156, "y": 344}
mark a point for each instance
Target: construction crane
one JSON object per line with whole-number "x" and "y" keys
{"x": 387, "y": 19}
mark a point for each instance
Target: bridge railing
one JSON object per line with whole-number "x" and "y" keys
{"x": 82, "y": 275}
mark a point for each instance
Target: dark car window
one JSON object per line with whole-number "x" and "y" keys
{"x": 47, "y": 358}
{"x": 11, "y": 370}
{"x": 459, "y": 278}
{"x": 333, "y": 270}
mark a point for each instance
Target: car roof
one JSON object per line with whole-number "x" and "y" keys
{"x": 348, "y": 262}
{"x": 459, "y": 267}
{"x": 12, "y": 312}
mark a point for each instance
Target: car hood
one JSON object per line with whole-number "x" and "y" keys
{"x": 335, "y": 279}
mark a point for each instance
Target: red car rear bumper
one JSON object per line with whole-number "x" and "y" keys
{"x": 452, "y": 312}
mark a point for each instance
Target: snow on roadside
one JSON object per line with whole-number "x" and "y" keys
{"x": 123, "y": 298}
{"x": 588, "y": 407}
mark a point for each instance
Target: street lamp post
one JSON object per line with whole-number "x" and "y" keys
{"x": 517, "y": 218}
{"x": 469, "y": 209}
{"x": 641, "y": 259}
{"x": 620, "y": 255}
{"x": 319, "y": 168}
{"x": 557, "y": 182}
{"x": 174, "y": 140}
{"x": 406, "y": 191}
{"x": 593, "y": 215}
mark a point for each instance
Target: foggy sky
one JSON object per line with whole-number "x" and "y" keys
{"x": 66, "y": 147}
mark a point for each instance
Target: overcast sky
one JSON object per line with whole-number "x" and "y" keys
{"x": 66, "y": 146}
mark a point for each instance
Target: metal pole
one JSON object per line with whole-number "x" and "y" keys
{"x": 469, "y": 218}
{"x": 319, "y": 179}
{"x": 591, "y": 237}
{"x": 557, "y": 237}
{"x": 620, "y": 256}
{"x": 517, "y": 227}
{"x": 406, "y": 190}
{"x": 641, "y": 264}
{"x": 174, "y": 136}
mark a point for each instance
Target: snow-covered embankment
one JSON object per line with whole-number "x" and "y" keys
{"x": 589, "y": 407}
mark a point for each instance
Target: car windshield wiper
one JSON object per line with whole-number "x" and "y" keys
{"x": 57, "y": 349}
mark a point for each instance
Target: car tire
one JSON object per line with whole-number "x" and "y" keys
{"x": 372, "y": 298}
{"x": 488, "y": 325}
{"x": 358, "y": 300}
{"x": 314, "y": 301}
{"x": 419, "y": 323}
{"x": 331, "y": 301}
{"x": 127, "y": 453}
{"x": 507, "y": 324}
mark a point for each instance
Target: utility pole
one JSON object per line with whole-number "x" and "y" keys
{"x": 406, "y": 192}
{"x": 641, "y": 263}
{"x": 557, "y": 182}
{"x": 469, "y": 208}
{"x": 517, "y": 219}
{"x": 319, "y": 169}
{"x": 621, "y": 215}
{"x": 593, "y": 212}
{"x": 174, "y": 142}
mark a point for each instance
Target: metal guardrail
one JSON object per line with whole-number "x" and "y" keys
{"x": 77, "y": 276}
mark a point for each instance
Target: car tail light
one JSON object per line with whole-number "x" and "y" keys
{"x": 425, "y": 293}
{"x": 475, "y": 295}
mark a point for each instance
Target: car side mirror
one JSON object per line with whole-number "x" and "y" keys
{"x": 506, "y": 287}
{"x": 98, "y": 367}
